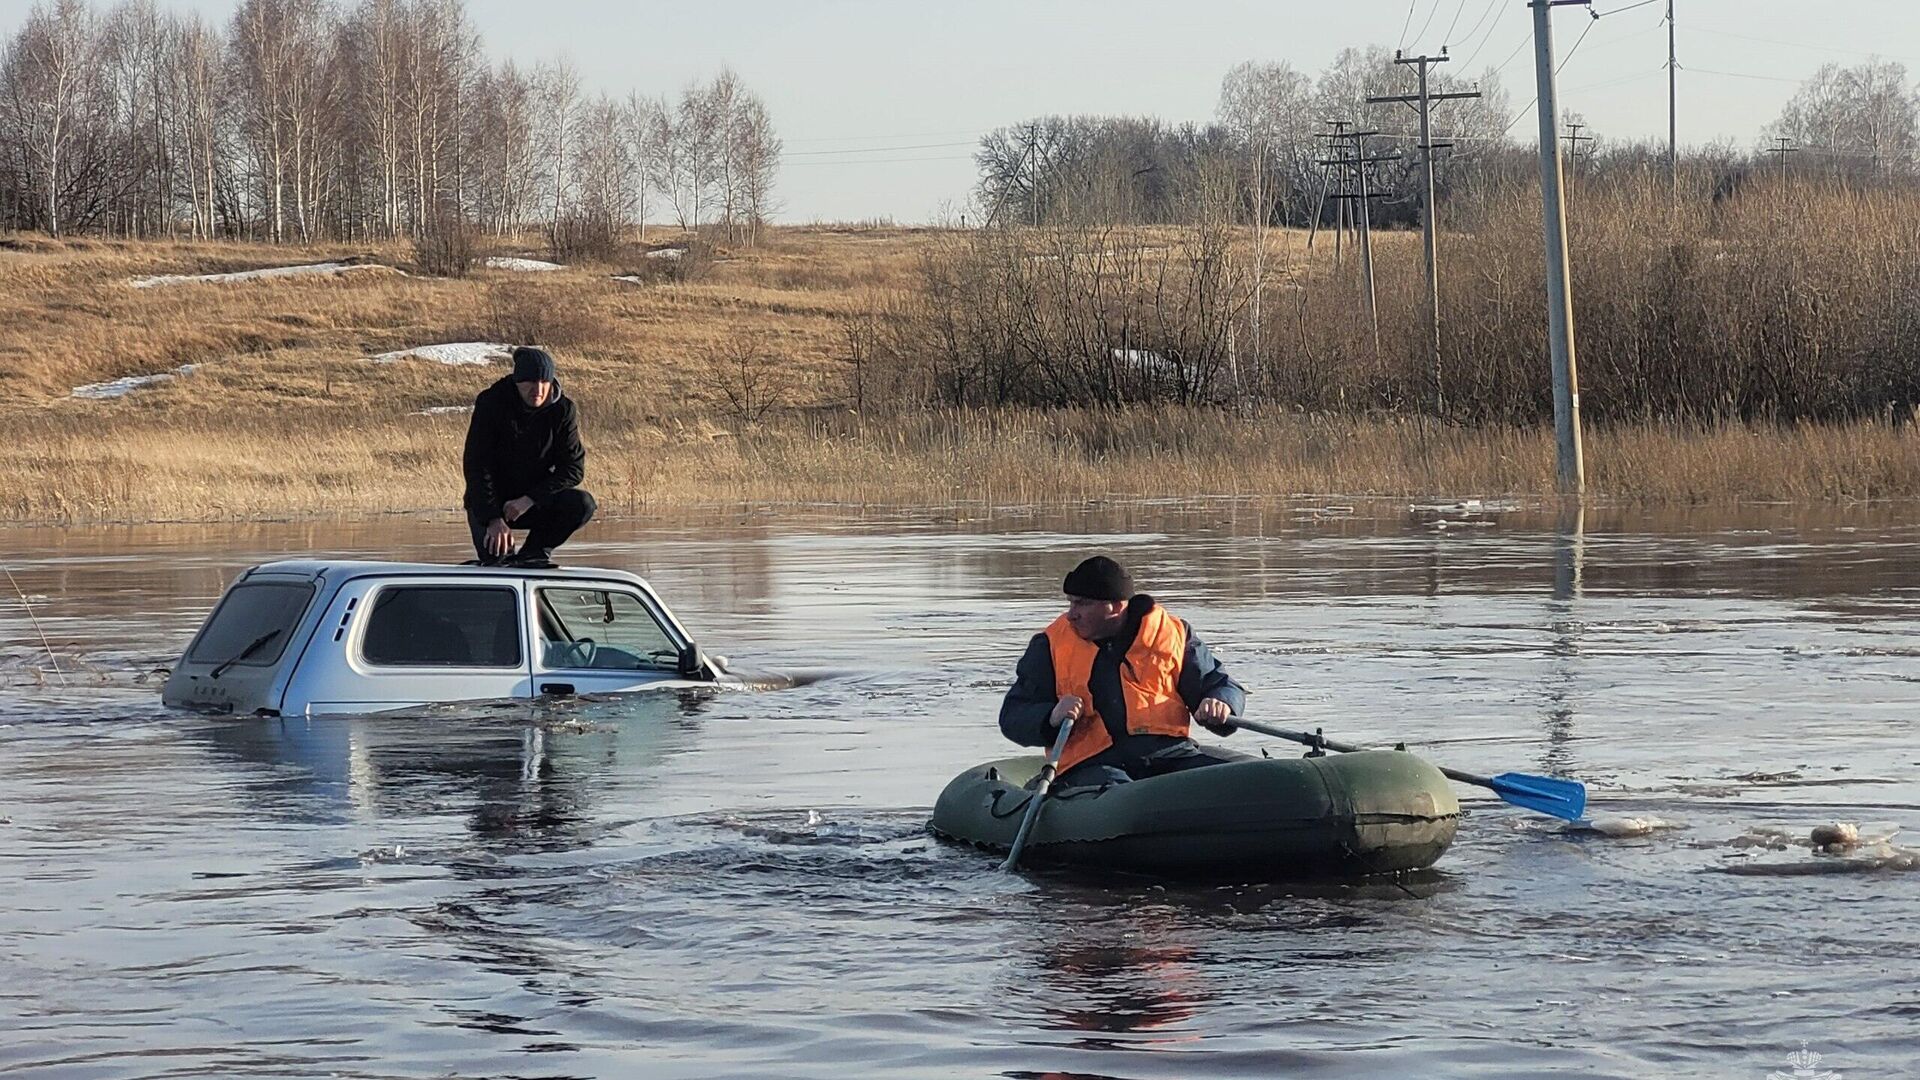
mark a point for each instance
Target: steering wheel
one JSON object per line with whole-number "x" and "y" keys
{"x": 577, "y": 653}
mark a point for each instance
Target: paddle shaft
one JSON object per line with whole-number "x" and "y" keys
{"x": 1039, "y": 795}
{"x": 1317, "y": 740}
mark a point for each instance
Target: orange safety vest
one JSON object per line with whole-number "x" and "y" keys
{"x": 1149, "y": 683}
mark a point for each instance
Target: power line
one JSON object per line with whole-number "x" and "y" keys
{"x": 896, "y": 135}
{"x": 1740, "y": 75}
{"x": 1629, "y": 7}
{"x": 1591, "y": 23}
{"x": 1422, "y": 35}
{"x": 1408, "y": 21}
{"x": 1803, "y": 45}
{"x": 882, "y": 161}
{"x": 1491, "y": 4}
{"x": 880, "y": 149}
{"x": 1521, "y": 44}
{"x": 1457, "y": 12}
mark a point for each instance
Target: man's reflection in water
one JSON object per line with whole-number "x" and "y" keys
{"x": 1121, "y": 988}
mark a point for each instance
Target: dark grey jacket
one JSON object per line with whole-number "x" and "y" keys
{"x": 1023, "y": 715}
{"x": 513, "y": 450}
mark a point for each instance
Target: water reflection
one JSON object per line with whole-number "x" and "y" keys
{"x": 1563, "y": 629}
{"x": 1117, "y": 987}
{"x": 524, "y": 775}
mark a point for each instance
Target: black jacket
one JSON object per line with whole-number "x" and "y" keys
{"x": 513, "y": 450}
{"x": 1023, "y": 715}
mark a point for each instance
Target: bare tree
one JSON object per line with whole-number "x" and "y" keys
{"x": 1867, "y": 116}
{"x": 48, "y": 97}
{"x": 754, "y": 163}
{"x": 638, "y": 119}
{"x": 557, "y": 93}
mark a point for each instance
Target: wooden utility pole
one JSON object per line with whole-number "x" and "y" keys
{"x": 1781, "y": 148}
{"x": 1423, "y": 102}
{"x": 1357, "y": 165}
{"x": 1333, "y": 137}
{"x": 1033, "y": 174}
{"x": 1570, "y": 472}
{"x": 1574, "y": 139}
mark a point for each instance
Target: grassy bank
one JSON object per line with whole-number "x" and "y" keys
{"x": 211, "y": 470}
{"x": 732, "y": 384}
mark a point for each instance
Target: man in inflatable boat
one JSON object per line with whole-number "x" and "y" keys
{"x": 1130, "y": 675}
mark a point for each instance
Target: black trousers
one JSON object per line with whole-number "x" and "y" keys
{"x": 551, "y": 521}
{"x": 1141, "y": 757}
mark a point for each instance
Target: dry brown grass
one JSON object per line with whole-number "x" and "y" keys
{"x": 284, "y": 419}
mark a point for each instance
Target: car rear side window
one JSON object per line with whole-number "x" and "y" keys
{"x": 465, "y": 626}
{"x": 253, "y": 623}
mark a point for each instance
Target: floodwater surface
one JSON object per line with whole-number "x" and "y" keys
{"x": 741, "y": 883}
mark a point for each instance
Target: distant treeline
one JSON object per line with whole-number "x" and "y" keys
{"x": 302, "y": 120}
{"x": 1262, "y": 154}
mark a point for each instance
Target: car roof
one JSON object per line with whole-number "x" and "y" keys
{"x": 343, "y": 570}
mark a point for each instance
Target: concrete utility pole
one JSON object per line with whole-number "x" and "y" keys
{"x": 1781, "y": 148}
{"x": 1570, "y": 472}
{"x": 1673, "y": 114}
{"x": 1423, "y": 102}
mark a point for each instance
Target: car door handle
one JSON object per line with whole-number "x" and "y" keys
{"x": 558, "y": 689}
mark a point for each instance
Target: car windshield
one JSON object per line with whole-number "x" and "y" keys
{"x": 603, "y": 628}
{"x": 251, "y": 612}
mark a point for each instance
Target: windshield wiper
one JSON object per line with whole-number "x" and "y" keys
{"x": 258, "y": 644}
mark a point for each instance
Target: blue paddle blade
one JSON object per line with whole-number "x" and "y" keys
{"x": 1564, "y": 799}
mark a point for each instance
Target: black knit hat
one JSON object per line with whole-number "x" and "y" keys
{"x": 532, "y": 364}
{"x": 1099, "y": 578}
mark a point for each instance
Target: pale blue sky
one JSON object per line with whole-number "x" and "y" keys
{"x": 908, "y": 85}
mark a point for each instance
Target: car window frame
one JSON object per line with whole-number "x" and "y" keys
{"x": 370, "y": 604}
{"x": 266, "y": 657}
{"x": 661, "y": 620}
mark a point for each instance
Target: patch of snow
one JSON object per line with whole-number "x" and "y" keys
{"x": 453, "y": 352}
{"x": 442, "y": 410}
{"x": 502, "y": 262}
{"x": 667, "y": 253}
{"x": 102, "y": 391}
{"x": 635, "y": 279}
{"x": 305, "y": 270}
{"x": 1146, "y": 360}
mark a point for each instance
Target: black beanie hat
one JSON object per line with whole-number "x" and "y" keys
{"x": 532, "y": 364}
{"x": 1099, "y": 578}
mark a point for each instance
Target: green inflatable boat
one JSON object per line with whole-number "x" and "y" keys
{"x": 1247, "y": 818}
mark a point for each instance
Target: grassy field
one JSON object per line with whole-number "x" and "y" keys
{"x": 283, "y": 417}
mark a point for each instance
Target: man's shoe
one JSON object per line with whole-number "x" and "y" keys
{"x": 529, "y": 560}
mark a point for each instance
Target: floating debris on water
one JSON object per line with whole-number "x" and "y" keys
{"x": 1621, "y": 825}
{"x": 1836, "y": 836}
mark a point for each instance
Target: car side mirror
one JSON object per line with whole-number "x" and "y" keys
{"x": 693, "y": 663}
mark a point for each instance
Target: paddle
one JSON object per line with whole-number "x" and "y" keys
{"x": 1564, "y": 799}
{"x": 1039, "y": 796}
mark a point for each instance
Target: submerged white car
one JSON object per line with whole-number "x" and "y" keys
{"x": 313, "y": 637}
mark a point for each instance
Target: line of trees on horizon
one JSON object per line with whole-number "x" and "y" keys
{"x": 1858, "y": 124}
{"x": 306, "y": 120}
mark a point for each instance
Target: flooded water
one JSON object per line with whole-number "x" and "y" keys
{"x": 742, "y": 885}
